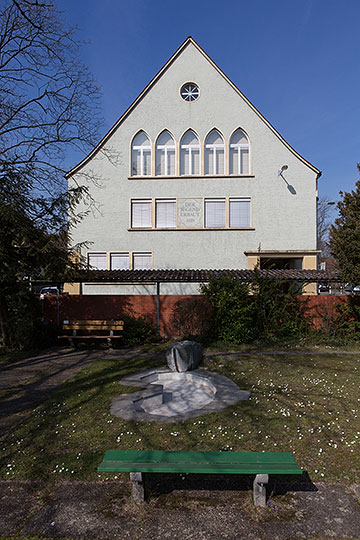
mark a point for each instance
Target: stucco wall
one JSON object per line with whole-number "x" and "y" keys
{"x": 282, "y": 220}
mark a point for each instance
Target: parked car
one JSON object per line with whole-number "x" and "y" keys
{"x": 45, "y": 291}
{"x": 350, "y": 288}
{"x": 324, "y": 287}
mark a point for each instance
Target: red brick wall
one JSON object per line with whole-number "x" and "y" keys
{"x": 110, "y": 307}
{"x": 321, "y": 308}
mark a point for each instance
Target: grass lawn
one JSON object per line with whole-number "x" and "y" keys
{"x": 304, "y": 403}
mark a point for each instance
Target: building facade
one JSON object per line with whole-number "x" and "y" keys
{"x": 199, "y": 179}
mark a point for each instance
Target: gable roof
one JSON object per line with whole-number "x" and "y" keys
{"x": 188, "y": 40}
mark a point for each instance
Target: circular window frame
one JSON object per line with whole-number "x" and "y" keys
{"x": 193, "y": 84}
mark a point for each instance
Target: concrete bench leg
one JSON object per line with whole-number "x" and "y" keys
{"x": 259, "y": 490}
{"x": 109, "y": 339}
{"x": 137, "y": 487}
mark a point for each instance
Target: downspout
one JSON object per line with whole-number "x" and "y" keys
{"x": 158, "y": 307}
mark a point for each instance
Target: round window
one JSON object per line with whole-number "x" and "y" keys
{"x": 189, "y": 92}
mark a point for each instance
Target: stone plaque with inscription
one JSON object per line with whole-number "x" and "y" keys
{"x": 190, "y": 213}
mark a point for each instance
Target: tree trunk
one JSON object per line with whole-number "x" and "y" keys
{"x": 4, "y": 317}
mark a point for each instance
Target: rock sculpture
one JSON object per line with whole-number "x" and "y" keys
{"x": 184, "y": 356}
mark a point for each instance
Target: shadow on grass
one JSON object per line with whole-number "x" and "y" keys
{"x": 161, "y": 484}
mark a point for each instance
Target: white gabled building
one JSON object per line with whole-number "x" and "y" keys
{"x": 201, "y": 180}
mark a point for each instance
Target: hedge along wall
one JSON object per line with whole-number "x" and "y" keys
{"x": 179, "y": 314}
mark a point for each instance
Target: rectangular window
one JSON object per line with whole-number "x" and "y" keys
{"x": 190, "y": 161}
{"x": 166, "y": 214}
{"x": 119, "y": 261}
{"x": 142, "y": 261}
{"x": 97, "y": 261}
{"x": 141, "y": 214}
{"x": 244, "y": 161}
{"x": 215, "y": 213}
{"x": 165, "y": 161}
{"x": 239, "y": 159}
{"x": 146, "y": 162}
{"x": 239, "y": 213}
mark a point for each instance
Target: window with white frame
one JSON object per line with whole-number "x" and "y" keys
{"x": 239, "y": 153}
{"x": 165, "y": 157}
{"x": 165, "y": 213}
{"x": 142, "y": 261}
{"x": 214, "y": 153}
{"x": 141, "y": 155}
{"x": 239, "y": 213}
{"x": 189, "y": 154}
{"x": 215, "y": 213}
{"x": 119, "y": 261}
{"x": 97, "y": 261}
{"x": 141, "y": 214}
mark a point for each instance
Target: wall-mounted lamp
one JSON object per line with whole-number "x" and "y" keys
{"x": 283, "y": 168}
{"x": 289, "y": 186}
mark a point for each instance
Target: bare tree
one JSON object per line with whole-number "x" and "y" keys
{"x": 49, "y": 103}
{"x": 323, "y": 225}
{"x": 49, "y": 106}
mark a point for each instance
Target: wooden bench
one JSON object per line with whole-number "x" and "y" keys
{"x": 85, "y": 329}
{"x": 157, "y": 461}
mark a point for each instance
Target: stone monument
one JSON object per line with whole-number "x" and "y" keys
{"x": 184, "y": 356}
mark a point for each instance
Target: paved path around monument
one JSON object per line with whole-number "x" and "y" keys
{"x": 27, "y": 383}
{"x": 104, "y": 510}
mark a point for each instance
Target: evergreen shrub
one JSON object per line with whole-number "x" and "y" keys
{"x": 263, "y": 309}
{"x": 138, "y": 331}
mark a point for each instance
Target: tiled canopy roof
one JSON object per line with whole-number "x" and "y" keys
{"x": 145, "y": 276}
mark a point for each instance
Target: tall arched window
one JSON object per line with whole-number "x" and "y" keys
{"x": 189, "y": 154}
{"x": 239, "y": 153}
{"x": 214, "y": 153}
{"x": 165, "y": 155}
{"x": 141, "y": 155}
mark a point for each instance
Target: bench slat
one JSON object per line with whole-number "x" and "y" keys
{"x": 165, "y": 456}
{"x": 90, "y": 337}
{"x": 91, "y": 326}
{"x": 94, "y": 321}
{"x": 207, "y": 468}
{"x": 199, "y": 462}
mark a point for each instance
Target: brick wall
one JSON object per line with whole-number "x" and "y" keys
{"x": 195, "y": 311}
{"x": 321, "y": 308}
{"x": 109, "y": 307}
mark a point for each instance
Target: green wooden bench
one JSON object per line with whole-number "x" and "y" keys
{"x": 261, "y": 464}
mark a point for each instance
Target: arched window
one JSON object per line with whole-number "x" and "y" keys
{"x": 165, "y": 155}
{"x": 214, "y": 153}
{"x": 239, "y": 153}
{"x": 189, "y": 154}
{"x": 141, "y": 155}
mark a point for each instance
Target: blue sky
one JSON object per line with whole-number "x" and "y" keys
{"x": 298, "y": 62}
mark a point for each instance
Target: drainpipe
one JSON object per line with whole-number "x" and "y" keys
{"x": 158, "y": 306}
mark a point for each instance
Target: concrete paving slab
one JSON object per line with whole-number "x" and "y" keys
{"x": 18, "y": 500}
{"x": 104, "y": 510}
{"x": 85, "y": 510}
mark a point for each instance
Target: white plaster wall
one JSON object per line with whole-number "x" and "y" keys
{"x": 281, "y": 220}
